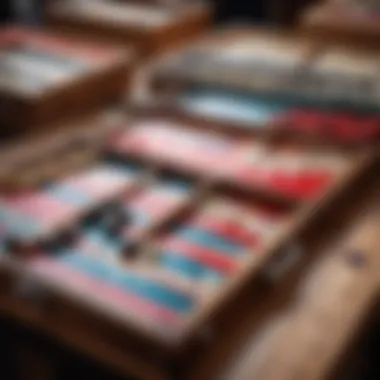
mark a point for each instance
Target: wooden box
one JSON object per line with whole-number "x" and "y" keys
{"x": 47, "y": 77}
{"x": 331, "y": 92}
{"x": 151, "y": 28}
{"x": 206, "y": 212}
{"x": 251, "y": 59}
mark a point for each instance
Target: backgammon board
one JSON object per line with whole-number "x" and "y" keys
{"x": 151, "y": 28}
{"x": 46, "y": 77}
{"x": 145, "y": 250}
{"x": 330, "y": 93}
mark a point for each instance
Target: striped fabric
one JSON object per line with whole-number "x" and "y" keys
{"x": 92, "y": 268}
{"x": 288, "y": 175}
{"x": 337, "y": 126}
{"x": 118, "y": 289}
{"x": 197, "y": 151}
{"x": 253, "y": 112}
{"x": 298, "y": 185}
{"x": 211, "y": 245}
{"x": 28, "y": 216}
{"x": 152, "y": 205}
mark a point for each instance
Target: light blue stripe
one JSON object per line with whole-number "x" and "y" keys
{"x": 120, "y": 169}
{"x": 102, "y": 241}
{"x": 176, "y": 185}
{"x": 153, "y": 291}
{"x": 70, "y": 195}
{"x": 139, "y": 218}
{"x": 187, "y": 267}
{"x": 221, "y": 104}
{"x": 18, "y": 225}
{"x": 209, "y": 240}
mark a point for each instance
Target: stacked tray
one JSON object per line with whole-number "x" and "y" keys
{"x": 328, "y": 93}
{"x": 47, "y": 77}
{"x": 151, "y": 28}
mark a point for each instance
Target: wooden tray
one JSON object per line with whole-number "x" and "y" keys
{"x": 152, "y": 29}
{"x": 270, "y": 117}
{"x": 175, "y": 302}
{"x": 272, "y": 312}
{"x": 225, "y": 159}
{"x": 294, "y": 66}
{"x": 249, "y": 58}
{"x": 47, "y": 77}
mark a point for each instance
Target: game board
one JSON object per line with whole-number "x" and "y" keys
{"x": 328, "y": 92}
{"x": 36, "y": 215}
{"x": 46, "y": 77}
{"x": 151, "y": 28}
{"x": 255, "y": 114}
{"x": 140, "y": 258}
{"x": 163, "y": 231}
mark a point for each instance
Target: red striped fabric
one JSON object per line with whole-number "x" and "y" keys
{"x": 235, "y": 231}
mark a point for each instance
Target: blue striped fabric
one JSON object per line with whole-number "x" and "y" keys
{"x": 139, "y": 219}
{"x": 148, "y": 289}
{"x": 18, "y": 225}
{"x": 69, "y": 195}
{"x": 189, "y": 268}
{"x": 232, "y": 106}
{"x": 103, "y": 242}
{"x": 210, "y": 240}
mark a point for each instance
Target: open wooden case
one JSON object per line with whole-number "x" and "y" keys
{"x": 327, "y": 93}
{"x": 46, "y": 77}
{"x": 151, "y": 28}
{"x": 145, "y": 250}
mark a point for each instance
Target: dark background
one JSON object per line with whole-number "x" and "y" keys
{"x": 259, "y": 11}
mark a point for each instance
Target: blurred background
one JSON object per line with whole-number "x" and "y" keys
{"x": 351, "y": 352}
